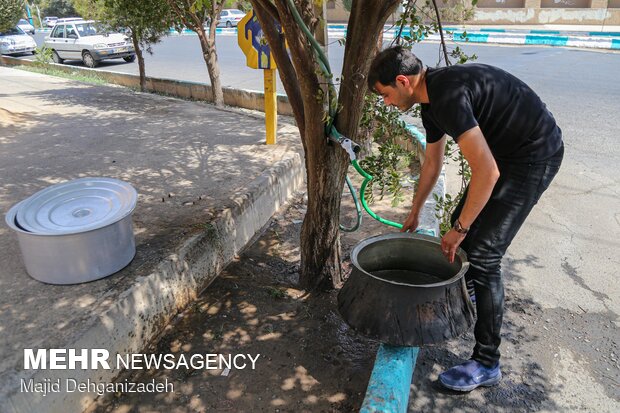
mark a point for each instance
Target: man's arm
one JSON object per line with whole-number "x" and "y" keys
{"x": 431, "y": 168}
{"x": 484, "y": 175}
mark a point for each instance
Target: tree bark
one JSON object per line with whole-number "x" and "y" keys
{"x": 194, "y": 21}
{"x": 140, "y": 56}
{"x": 365, "y": 25}
{"x": 326, "y": 164}
{"x": 210, "y": 56}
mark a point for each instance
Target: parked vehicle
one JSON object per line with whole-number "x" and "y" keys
{"x": 50, "y": 21}
{"x": 14, "y": 41}
{"x": 231, "y": 17}
{"x": 69, "y": 19}
{"x": 25, "y": 26}
{"x": 85, "y": 40}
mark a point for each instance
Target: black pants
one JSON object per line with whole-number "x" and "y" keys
{"x": 518, "y": 189}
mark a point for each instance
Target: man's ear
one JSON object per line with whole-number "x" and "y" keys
{"x": 403, "y": 80}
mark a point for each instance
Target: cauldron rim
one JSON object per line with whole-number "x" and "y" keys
{"x": 409, "y": 235}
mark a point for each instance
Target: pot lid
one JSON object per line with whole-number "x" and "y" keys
{"x": 77, "y": 206}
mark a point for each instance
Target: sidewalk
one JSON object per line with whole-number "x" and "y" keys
{"x": 206, "y": 184}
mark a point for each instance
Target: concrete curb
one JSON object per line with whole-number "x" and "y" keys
{"x": 594, "y": 40}
{"x": 150, "y": 304}
{"x": 390, "y": 380}
{"x": 247, "y": 99}
{"x": 548, "y": 39}
{"x": 536, "y": 31}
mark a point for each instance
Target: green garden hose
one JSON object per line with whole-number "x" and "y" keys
{"x": 367, "y": 179}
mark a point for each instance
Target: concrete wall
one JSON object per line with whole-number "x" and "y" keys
{"x": 546, "y": 16}
{"x": 503, "y": 4}
{"x": 247, "y": 99}
{"x": 574, "y": 12}
{"x": 336, "y": 13}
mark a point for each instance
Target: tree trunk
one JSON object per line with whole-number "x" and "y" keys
{"x": 326, "y": 164}
{"x": 320, "y": 244}
{"x": 140, "y": 56}
{"x": 194, "y": 18}
{"x": 210, "y": 56}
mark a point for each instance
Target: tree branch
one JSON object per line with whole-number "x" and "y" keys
{"x": 285, "y": 67}
{"x": 300, "y": 49}
{"x": 443, "y": 41}
{"x": 268, "y": 7}
{"x": 365, "y": 23}
{"x": 402, "y": 24}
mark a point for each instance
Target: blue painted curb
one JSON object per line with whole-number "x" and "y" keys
{"x": 548, "y": 40}
{"x": 415, "y": 132}
{"x": 471, "y": 37}
{"x": 388, "y": 390}
{"x": 544, "y": 32}
{"x": 612, "y": 34}
{"x": 532, "y": 31}
{"x": 596, "y": 40}
{"x": 390, "y": 380}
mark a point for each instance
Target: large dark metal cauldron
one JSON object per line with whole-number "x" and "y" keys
{"x": 403, "y": 291}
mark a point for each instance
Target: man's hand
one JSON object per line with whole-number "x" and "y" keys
{"x": 412, "y": 222}
{"x": 450, "y": 243}
{"x": 431, "y": 168}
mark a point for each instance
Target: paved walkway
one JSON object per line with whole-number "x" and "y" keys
{"x": 206, "y": 183}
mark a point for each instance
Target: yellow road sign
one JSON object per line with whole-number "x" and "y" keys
{"x": 254, "y": 44}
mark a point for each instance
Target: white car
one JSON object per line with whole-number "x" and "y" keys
{"x": 14, "y": 41}
{"x": 50, "y": 21}
{"x": 25, "y": 26}
{"x": 231, "y": 17}
{"x": 68, "y": 19}
{"x": 84, "y": 40}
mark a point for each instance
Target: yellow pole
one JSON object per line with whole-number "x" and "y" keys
{"x": 271, "y": 106}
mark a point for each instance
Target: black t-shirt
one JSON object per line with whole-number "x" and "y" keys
{"x": 515, "y": 122}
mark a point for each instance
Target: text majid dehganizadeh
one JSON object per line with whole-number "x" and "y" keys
{"x": 100, "y": 359}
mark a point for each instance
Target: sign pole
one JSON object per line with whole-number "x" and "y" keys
{"x": 271, "y": 106}
{"x": 258, "y": 56}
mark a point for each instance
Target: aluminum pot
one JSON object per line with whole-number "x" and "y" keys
{"x": 75, "y": 258}
{"x": 403, "y": 291}
{"x": 76, "y": 231}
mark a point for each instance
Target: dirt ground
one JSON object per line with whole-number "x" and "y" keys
{"x": 310, "y": 361}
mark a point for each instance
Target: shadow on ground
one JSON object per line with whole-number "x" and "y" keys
{"x": 185, "y": 159}
{"x": 310, "y": 361}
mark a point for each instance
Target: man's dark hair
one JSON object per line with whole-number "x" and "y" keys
{"x": 390, "y": 63}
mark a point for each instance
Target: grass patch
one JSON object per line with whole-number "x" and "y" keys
{"x": 73, "y": 75}
{"x": 276, "y": 293}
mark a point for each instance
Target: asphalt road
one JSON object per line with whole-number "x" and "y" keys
{"x": 565, "y": 259}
